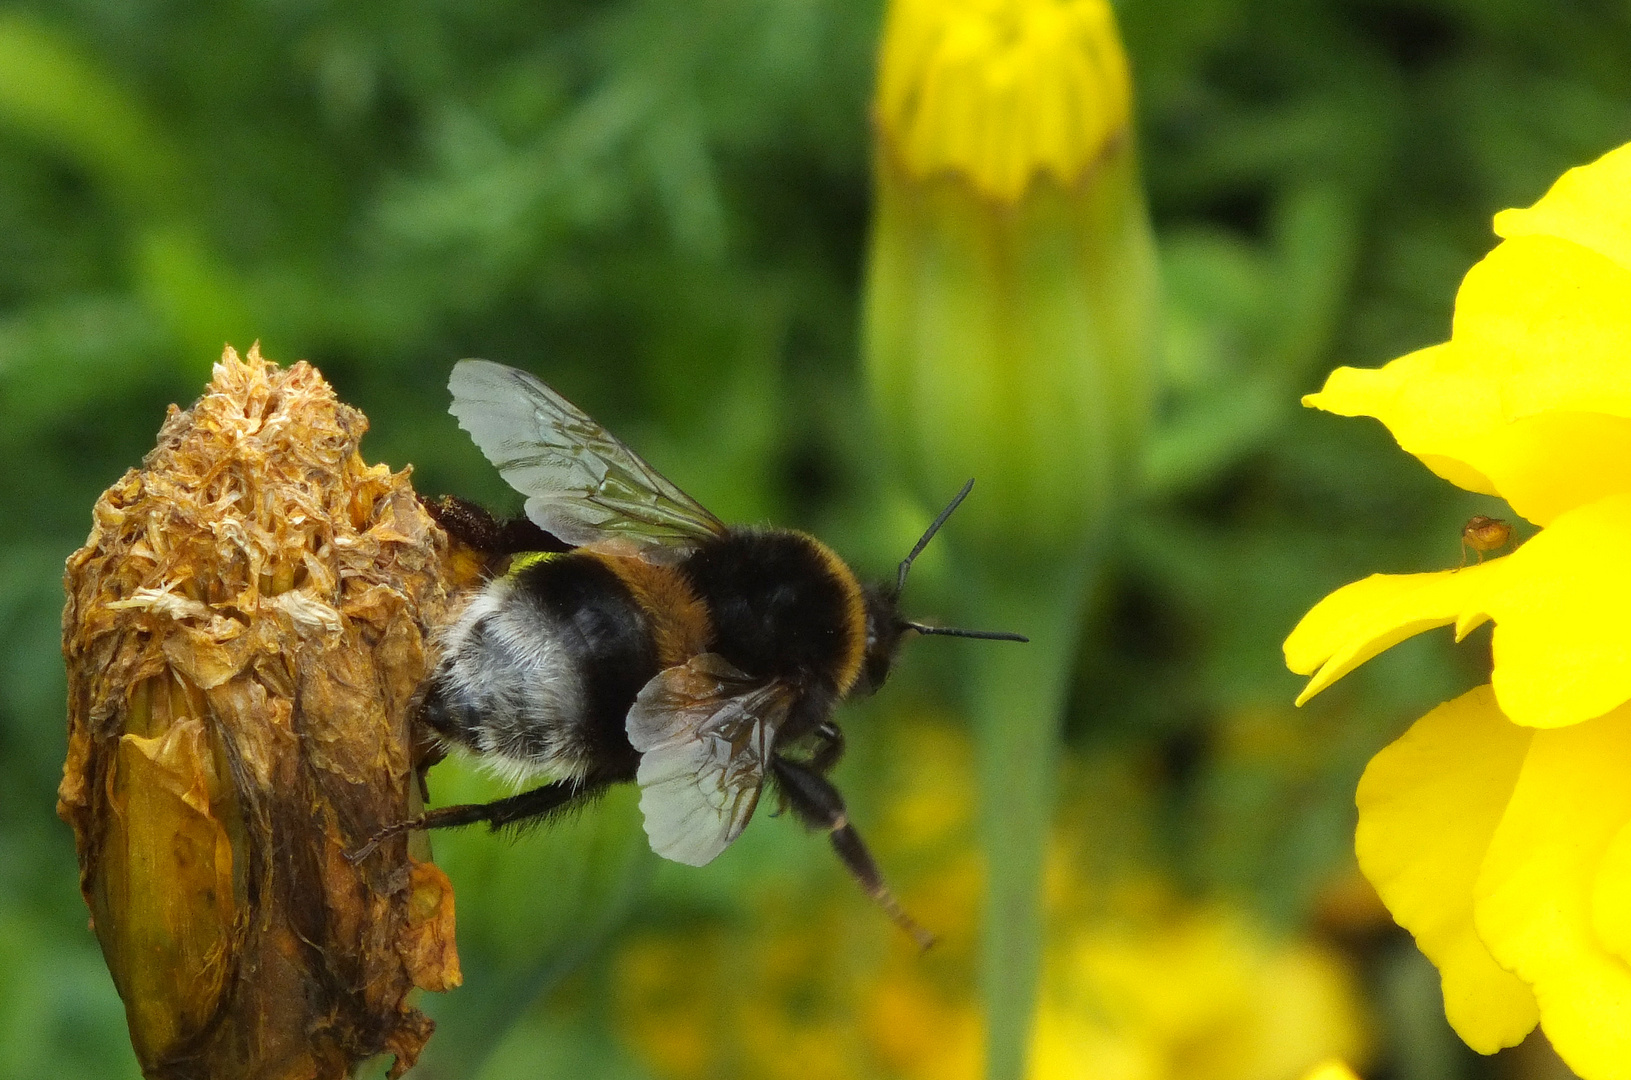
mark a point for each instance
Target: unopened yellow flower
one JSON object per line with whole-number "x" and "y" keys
{"x": 999, "y": 91}
{"x": 1498, "y": 829}
{"x": 1009, "y": 334}
{"x": 1011, "y": 296}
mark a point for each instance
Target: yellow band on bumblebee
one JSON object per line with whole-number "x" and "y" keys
{"x": 529, "y": 559}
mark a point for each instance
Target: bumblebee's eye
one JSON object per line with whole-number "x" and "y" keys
{"x": 875, "y": 671}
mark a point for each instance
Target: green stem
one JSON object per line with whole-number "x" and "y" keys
{"x": 1018, "y": 698}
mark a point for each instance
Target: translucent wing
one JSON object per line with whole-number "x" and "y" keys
{"x": 705, "y": 733}
{"x": 581, "y": 483}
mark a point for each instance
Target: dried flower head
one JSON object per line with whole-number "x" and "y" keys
{"x": 244, "y": 631}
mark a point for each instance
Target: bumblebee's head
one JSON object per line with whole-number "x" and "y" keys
{"x": 884, "y": 630}
{"x": 886, "y": 626}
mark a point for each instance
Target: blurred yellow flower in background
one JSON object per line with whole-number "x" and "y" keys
{"x": 1332, "y": 1070}
{"x": 1498, "y": 829}
{"x": 1190, "y": 993}
{"x": 1136, "y": 984}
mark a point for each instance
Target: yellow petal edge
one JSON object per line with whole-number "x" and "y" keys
{"x": 1534, "y": 894}
{"x": 1531, "y": 398}
{"x": 1542, "y": 330}
{"x": 1367, "y": 617}
{"x": 1587, "y": 205}
{"x": 1428, "y": 807}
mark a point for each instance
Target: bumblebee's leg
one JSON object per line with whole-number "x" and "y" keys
{"x": 465, "y": 522}
{"x": 819, "y": 805}
{"x": 830, "y": 751}
{"x": 537, "y": 803}
{"x": 474, "y": 527}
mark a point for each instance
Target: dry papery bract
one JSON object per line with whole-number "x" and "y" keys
{"x": 244, "y": 631}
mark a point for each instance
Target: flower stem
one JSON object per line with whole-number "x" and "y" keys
{"x": 1017, "y": 699}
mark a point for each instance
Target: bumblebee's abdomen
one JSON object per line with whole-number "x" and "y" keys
{"x": 542, "y": 667}
{"x": 782, "y": 605}
{"x": 606, "y": 628}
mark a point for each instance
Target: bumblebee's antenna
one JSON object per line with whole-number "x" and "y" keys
{"x": 906, "y": 565}
{"x": 953, "y": 631}
{"x": 934, "y": 527}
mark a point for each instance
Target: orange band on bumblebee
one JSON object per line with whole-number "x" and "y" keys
{"x": 680, "y": 626}
{"x": 849, "y": 665}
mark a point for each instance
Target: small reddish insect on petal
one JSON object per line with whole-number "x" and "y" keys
{"x": 1486, "y": 533}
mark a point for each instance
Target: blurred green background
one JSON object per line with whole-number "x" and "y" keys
{"x": 662, "y": 209}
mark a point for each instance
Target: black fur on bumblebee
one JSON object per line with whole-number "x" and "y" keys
{"x": 632, "y": 636}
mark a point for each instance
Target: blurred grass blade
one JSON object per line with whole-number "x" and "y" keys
{"x": 53, "y": 92}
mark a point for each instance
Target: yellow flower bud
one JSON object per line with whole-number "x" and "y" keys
{"x": 1010, "y": 318}
{"x": 1011, "y": 297}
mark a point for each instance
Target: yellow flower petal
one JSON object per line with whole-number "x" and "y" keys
{"x": 1428, "y": 805}
{"x": 1409, "y": 395}
{"x": 1559, "y": 603}
{"x": 1533, "y": 907}
{"x": 1560, "y": 646}
{"x": 1367, "y": 617}
{"x": 1611, "y": 896}
{"x": 1544, "y": 321}
{"x": 1548, "y": 464}
{"x": 1587, "y": 205}
{"x": 1542, "y": 327}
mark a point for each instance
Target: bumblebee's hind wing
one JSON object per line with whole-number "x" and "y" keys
{"x": 582, "y": 484}
{"x": 705, "y": 733}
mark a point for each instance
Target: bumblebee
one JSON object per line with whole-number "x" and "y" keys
{"x": 633, "y": 636}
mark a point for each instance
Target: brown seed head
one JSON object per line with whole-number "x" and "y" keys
{"x": 244, "y": 631}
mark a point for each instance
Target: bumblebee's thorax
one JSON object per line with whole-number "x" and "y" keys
{"x": 782, "y": 605}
